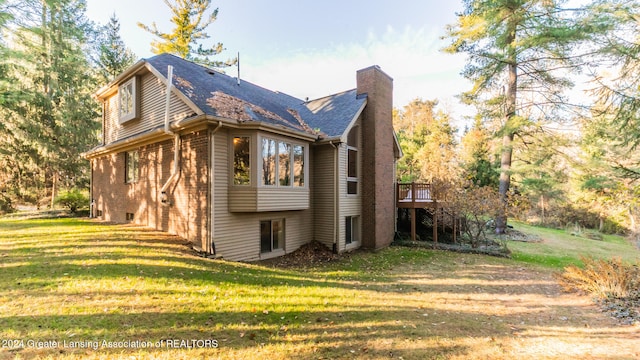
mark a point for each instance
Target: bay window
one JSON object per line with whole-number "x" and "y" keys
{"x": 288, "y": 169}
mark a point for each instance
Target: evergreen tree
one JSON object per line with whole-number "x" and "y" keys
{"x": 542, "y": 172}
{"x": 190, "y": 20}
{"x": 620, "y": 49}
{"x": 114, "y": 56}
{"x": 476, "y": 156}
{"x": 520, "y": 52}
{"x": 4, "y": 81}
{"x": 55, "y": 117}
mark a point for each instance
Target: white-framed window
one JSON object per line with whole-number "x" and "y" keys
{"x": 352, "y": 161}
{"x": 271, "y": 235}
{"x": 241, "y": 160}
{"x": 127, "y": 100}
{"x": 351, "y": 229}
{"x": 298, "y": 165}
{"x": 131, "y": 165}
{"x": 283, "y": 163}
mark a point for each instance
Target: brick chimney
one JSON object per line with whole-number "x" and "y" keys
{"x": 378, "y": 207}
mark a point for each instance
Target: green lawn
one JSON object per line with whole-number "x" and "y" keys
{"x": 559, "y": 248}
{"x": 73, "y": 288}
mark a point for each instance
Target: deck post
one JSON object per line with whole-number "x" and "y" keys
{"x": 435, "y": 223}
{"x": 413, "y": 194}
{"x": 413, "y": 224}
{"x": 455, "y": 222}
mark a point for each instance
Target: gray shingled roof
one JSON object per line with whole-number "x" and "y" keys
{"x": 220, "y": 95}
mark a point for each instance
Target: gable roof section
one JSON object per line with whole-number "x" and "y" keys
{"x": 220, "y": 95}
{"x": 333, "y": 114}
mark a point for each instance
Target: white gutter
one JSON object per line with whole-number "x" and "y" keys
{"x": 176, "y": 137}
{"x": 336, "y": 230}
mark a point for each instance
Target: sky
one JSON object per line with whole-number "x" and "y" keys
{"x": 314, "y": 48}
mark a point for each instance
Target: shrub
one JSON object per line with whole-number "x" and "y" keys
{"x": 475, "y": 205}
{"x": 73, "y": 200}
{"x": 5, "y": 205}
{"x": 601, "y": 278}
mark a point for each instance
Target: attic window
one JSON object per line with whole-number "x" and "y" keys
{"x": 128, "y": 100}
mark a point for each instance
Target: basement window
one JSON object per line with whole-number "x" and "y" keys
{"x": 129, "y": 216}
{"x": 131, "y": 164}
{"x": 352, "y": 229}
{"x": 271, "y": 235}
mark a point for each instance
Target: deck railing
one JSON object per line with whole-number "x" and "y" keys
{"x": 413, "y": 192}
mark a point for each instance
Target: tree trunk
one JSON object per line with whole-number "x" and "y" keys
{"x": 505, "y": 180}
{"x": 601, "y": 225}
{"x": 542, "y": 209}
{"x": 509, "y": 126}
{"x": 54, "y": 188}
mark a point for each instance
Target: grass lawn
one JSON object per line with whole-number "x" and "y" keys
{"x": 559, "y": 248}
{"x": 73, "y": 288}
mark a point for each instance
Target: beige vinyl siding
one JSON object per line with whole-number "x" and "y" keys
{"x": 263, "y": 199}
{"x": 237, "y": 235}
{"x": 279, "y": 199}
{"x": 350, "y": 204}
{"x": 152, "y": 98}
{"x": 243, "y": 199}
{"x": 323, "y": 193}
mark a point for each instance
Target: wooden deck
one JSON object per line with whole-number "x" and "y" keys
{"x": 414, "y": 195}
{"x": 420, "y": 196}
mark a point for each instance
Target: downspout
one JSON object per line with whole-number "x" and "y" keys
{"x": 167, "y": 128}
{"x": 211, "y": 246}
{"x": 336, "y": 230}
{"x": 176, "y": 149}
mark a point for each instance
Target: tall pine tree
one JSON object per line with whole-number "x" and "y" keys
{"x": 520, "y": 52}
{"x": 55, "y": 117}
{"x": 114, "y": 56}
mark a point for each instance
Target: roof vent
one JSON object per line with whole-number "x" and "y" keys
{"x": 210, "y": 71}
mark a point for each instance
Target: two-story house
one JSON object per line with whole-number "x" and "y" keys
{"x": 241, "y": 171}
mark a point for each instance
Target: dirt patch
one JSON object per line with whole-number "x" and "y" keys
{"x": 515, "y": 235}
{"x": 308, "y": 255}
